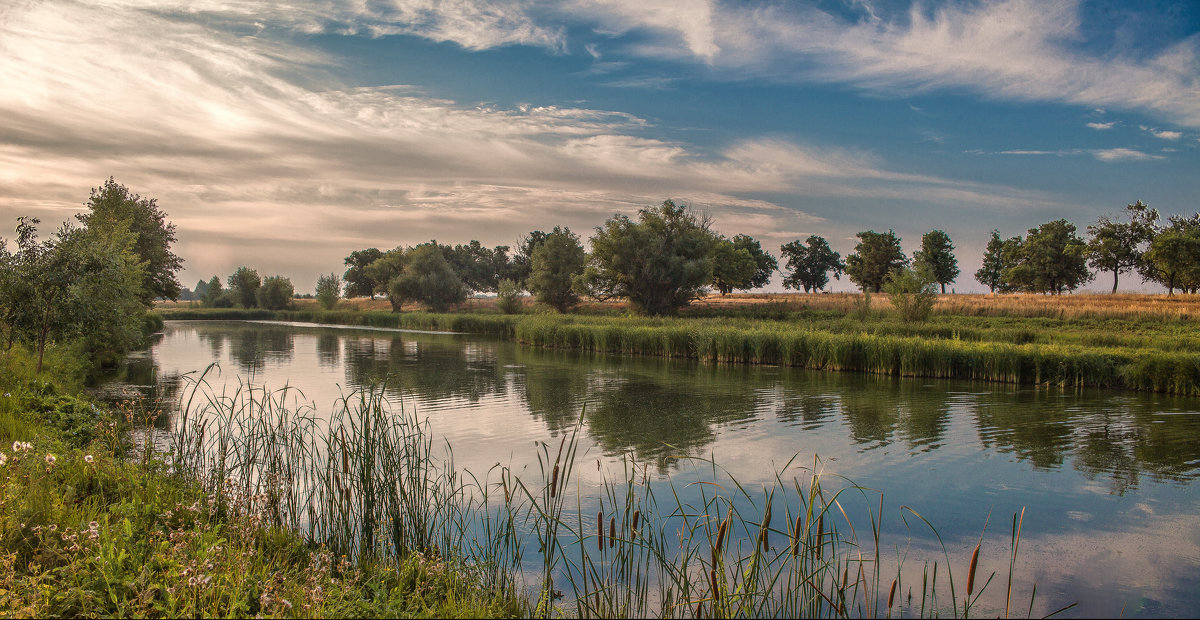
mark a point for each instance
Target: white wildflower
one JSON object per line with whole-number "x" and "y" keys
{"x": 50, "y": 459}
{"x": 89, "y": 459}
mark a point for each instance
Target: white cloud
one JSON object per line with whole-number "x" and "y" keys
{"x": 1102, "y": 126}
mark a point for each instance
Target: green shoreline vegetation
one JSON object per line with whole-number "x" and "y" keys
{"x": 1148, "y": 354}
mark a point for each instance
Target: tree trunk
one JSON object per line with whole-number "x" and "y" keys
{"x": 943, "y": 287}
{"x": 1116, "y": 274}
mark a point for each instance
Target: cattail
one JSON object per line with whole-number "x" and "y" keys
{"x": 766, "y": 525}
{"x": 891, "y": 595}
{"x": 721, "y": 536}
{"x": 712, "y": 578}
{"x": 971, "y": 571}
{"x": 634, "y": 528}
{"x": 612, "y": 532}
{"x": 600, "y": 530}
{"x": 554, "y": 481}
{"x": 796, "y": 536}
{"x": 820, "y": 535}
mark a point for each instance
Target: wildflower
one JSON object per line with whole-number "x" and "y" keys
{"x": 286, "y": 603}
{"x": 3, "y": 458}
{"x": 50, "y": 459}
{"x": 89, "y": 459}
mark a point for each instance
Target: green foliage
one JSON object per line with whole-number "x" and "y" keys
{"x": 1118, "y": 246}
{"x": 875, "y": 256}
{"x": 733, "y": 267}
{"x": 73, "y": 285}
{"x": 329, "y": 289}
{"x": 358, "y": 282}
{"x": 385, "y": 269}
{"x": 480, "y": 268}
{"x": 522, "y": 261}
{"x": 244, "y": 285}
{"x": 1051, "y": 259}
{"x": 112, "y": 208}
{"x": 660, "y": 263}
{"x": 429, "y": 279}
{"x": 937, "y": 254}
{"x": 912, "y": 292}
{"x": 556, "y": 262}
{"x": 508, "y": 297}
{"x": 810, "y": 264}
{"x": 991, "y": 273}
{"x": 275, "y": 293}
{"x": 1173, "y": 258}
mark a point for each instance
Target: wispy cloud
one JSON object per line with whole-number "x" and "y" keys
{"x": 1102, "y": 126}
{"x": 1107, "y": 155}
{"x": 1162, "y": 133}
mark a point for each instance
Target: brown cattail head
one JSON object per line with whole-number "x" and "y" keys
{"x": 712, "y": 579}
{"x": 820, "y": 535}
{"x": 891, "y": 594}
{"x": 600, "y": 530}
{"x": 766, "y": 525}
{"x": 971, "y": 571}
{"x": 554, "y": 481}
{"x": 721, "y": 536}
{"x": 634, "y": 528}
{"x": 796, "y": 535}
{"x": 612, "y": 532}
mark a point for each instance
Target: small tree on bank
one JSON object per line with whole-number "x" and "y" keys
{"x": 329, "y": 289}
{"x": 1118, "y": 246}
{"x": 937, "y": 254}
{"x": 243, "y": 286}
{"x": 275, "y": 293}
{"x": 555, "y": 264}
{"x": 427, "y": 278}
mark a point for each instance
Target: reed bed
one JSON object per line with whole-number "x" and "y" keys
{"x": 368, "y": 483}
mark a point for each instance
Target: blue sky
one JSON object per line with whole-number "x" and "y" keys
{"x": 283, "y": 136}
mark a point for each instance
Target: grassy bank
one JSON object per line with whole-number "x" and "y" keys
{"x": 94, "y": 524}
{"x": 1086, "y": 347}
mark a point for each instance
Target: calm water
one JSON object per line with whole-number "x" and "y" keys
{"x": 1107, "y": 479}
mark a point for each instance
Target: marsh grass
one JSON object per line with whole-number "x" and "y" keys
{"x": 368, "y": 483}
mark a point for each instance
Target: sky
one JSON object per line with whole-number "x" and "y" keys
{"x": 285, "y": 135}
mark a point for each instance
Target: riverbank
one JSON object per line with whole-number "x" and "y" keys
{"x": 1145, "y": 343}
{"x": 94, "y": 525}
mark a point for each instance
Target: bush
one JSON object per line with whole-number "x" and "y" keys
{"x": 329, "y": 288}
{"x": 275, "y": 293}
{"x": 509, "y": 297}
{"x": 912, "y": 293}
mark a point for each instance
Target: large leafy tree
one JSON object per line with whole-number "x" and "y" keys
{"x": 383, "y": 270}
{"x": 243, "y": 285}
{"x": 875, "y": 256}
{"x": 522, "y": 262}
{"x": 112, "y": 208}
{"x": 741, "y": 264}
{"x": 937, "y": 254}
{"x": 481, "y": 268}
{"x": 358, "y": 281}
{"x": 1117, "y": 246}
{"x": 1051, "y": 259}
{"x": 991, "y": 273}
{"x": 428, "y": 278}
{"x": 810, "y": 264}
{"x": 659, "y": 263}
{"x": 1173, "y": 258}
{"x": 556, "y": 262}
{"x": 73, "y": 285}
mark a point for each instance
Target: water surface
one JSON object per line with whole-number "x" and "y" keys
{"x": 1107, "y": 478}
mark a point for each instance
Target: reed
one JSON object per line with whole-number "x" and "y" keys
{"x": 367, "y": 482}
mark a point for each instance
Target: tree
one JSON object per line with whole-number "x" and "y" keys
{"x": 112, "y": 208}
{"x": 875, "y": 256}
{"x": 243, "y": 285}
{"x": 660, "y": 263}
{"x": 74, "y": 285}
{"x": 555, "y": 263}
{"x": 200, "y": 290}
{"x": 1051, "y": 259}
{"x": 213, "y": 292}
{"x": 810, "y": 264}
{"x": 428, "y": 278}
{"x": 1173, "y": 258}
{"x": 1118, "y": 246}
{"x": 991, "y": 274}
{"x": 383, "y": 270}
{"x": 275, "y": 293}
{"x": 479, "y": 267}
{"x": 733, "y": 267}
{"x": 329, "y": 289}
{"x": 358, "y": 283}
{"x": 937, "y": 252}
{"x": 522, "y": 262}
